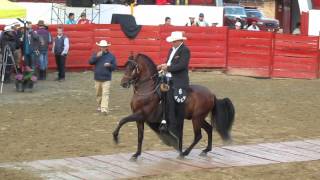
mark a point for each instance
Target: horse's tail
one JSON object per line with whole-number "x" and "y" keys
{"x": 222, "y": 117}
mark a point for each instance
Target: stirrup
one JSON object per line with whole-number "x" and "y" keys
{"x": 163, "y": 128}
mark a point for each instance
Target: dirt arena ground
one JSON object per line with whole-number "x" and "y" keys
{"x": 58, "y": 120}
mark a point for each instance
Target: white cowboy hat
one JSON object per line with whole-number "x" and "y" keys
{"x": 103, "y": 43}
{"x": 175, "y": 36}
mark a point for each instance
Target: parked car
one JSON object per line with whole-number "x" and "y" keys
{"x": 264, "y": 24}
{"x": 231, "y": 14}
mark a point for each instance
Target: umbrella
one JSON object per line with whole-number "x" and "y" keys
{"x": 11, "y": 10}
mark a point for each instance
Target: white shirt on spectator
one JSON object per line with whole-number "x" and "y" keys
{"x": 202, "y": 23}
{"x": 253, "y": 28}
{"x": 296, "y": 31}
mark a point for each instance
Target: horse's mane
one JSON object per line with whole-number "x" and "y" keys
{"x": 149, "y": 62}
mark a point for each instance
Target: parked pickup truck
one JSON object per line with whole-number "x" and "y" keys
{"x": 265, "y": 24}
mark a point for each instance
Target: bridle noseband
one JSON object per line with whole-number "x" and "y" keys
{"x": 134, "y": 71}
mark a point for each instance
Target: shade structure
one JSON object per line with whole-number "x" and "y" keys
{"x": 11, "y": 10}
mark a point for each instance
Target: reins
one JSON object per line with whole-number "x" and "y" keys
{"x": 143, "y": 81}
{"x": 135, "y": 82}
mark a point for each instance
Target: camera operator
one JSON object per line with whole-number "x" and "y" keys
{"x": 8, "y": 38}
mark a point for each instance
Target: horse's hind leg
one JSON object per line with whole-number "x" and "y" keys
{"x": 208, "y": 128}
{"x": 197, "y": 135}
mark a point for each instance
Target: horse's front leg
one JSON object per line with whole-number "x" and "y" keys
{"x": 131, "y": 118}
{"x": 140, "y": 126}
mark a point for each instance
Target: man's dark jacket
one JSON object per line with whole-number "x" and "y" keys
{"x": 102, "y": 73}
{"x": 179, "y": 67}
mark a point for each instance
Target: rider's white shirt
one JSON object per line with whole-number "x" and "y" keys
{"x": 174, "y": 50}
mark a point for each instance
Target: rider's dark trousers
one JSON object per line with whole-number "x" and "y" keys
{"x": 175, "y": 114}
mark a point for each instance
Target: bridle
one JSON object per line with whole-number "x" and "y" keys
{"x": 135, "y": 81}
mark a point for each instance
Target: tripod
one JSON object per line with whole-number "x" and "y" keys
{"x": 6, "y": 54}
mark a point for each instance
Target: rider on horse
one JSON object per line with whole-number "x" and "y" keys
{"x": 176, "y": 70}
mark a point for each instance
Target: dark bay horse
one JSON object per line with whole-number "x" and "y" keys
{"x": 142, "y": 73}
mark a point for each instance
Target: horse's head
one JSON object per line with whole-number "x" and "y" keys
{"x": 139, "y": 68}
{"x": 131, "y": 73}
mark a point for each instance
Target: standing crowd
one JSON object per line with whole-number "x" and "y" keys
{"x": 29, "y": 46}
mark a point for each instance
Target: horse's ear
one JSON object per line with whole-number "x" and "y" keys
{"x": 131, "y": 57}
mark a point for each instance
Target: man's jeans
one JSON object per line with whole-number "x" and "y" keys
{"x": 43, "y": 60}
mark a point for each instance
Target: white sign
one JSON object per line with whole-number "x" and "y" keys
{"x": 314, "y": 25}
{"x": 144, "y": 14}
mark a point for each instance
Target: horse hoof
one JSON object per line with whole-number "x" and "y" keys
{"x": 203, "y": 154}
{"x": 181, "y": 156}
{"x": 115, "y": 139}
{"x": 133, "y": 159}
{"x": 227, "y": 142}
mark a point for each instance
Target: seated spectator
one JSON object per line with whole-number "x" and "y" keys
{"x": 201, "y": 22}
{"x": 297, "y": 30}
{"x": 253, "y": 27}
{"x": 70, "y": 19}
{"x": 83, "y": 19}
{"x": 191, "y": 22}
{"x": 237, "y": 25}
{"x": 167, "y": 21}
{"x": 162, "y": 2}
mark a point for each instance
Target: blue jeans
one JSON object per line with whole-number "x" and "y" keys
{"x": 43, "y": 60}
{"x": 31, "y": 60}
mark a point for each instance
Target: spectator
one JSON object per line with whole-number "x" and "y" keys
{"x": 19, "y": 36}
{"x": 237, "y": 25}
{"x": 30, "y": 46}
{"x": 83, "y": 19}
{"x": 60, "y": 49}
{"x": 167, "y": 21}
{"x": 253, "y": 27}
{"x": 70, "y": 19}
{"x": 162, "y": 2}
{"x": 297, "y": 30}
{"x": 8, "y": 38}
{"x": 45, "y": 40}
{"x": 201, "y": 22}
{"x": 191, "y": 22}
{"x": 104, "y": 63}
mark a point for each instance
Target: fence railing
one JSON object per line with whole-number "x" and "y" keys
{"x": 259, "y": 54}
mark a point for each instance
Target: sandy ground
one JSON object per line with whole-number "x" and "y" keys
{"x": 58, "y": 120}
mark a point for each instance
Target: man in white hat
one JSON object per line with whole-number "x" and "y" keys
{"x": 104, "y": 62}
{"x": 177, "y": 70}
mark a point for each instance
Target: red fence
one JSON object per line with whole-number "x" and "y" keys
{"x": 249, "y": 53}
{"x": 259, "y": 54}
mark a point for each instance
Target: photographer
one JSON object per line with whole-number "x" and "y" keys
{"x": 8, "y": 38}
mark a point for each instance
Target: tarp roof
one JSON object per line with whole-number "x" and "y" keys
{"x": 11, "y": 10}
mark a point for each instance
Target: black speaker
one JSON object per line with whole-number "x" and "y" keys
{"x": 79, "y": 3}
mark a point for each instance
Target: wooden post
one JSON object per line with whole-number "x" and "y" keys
{"x": 318, "y": 61}
{"x": 227, "y": 50}
{"x": 272, "y": 49}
